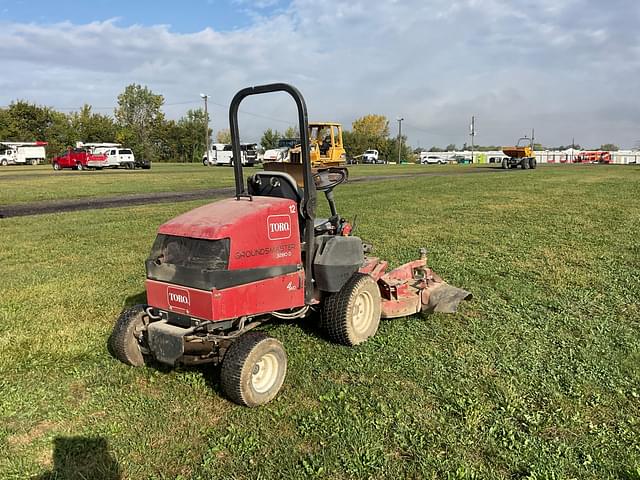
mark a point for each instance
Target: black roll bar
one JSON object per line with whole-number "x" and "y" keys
{"x": 308, "y": 205}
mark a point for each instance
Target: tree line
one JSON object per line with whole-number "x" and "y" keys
{"x": 139, "y": 123}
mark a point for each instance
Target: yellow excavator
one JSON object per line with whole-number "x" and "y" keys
{"x": 326, "y": 152}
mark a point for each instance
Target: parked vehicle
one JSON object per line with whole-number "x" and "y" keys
{"x": 249, "y": 153}
{"x": 117, "y": 156}
{"x": 22, "y": 153}
{"x": 426, "y": 159}
{"x": 593, "y": 157}
{"x": 521, "y": 155}
{"x": 216, "y": 273}
{"x": 219, "y": 154}
{"x": 281, "y": 153}
{"x": 460, "y": 159}
{"x": 222, "y": 154}
{"x": 371, "y": 156}
{"x": 79, "y": 159}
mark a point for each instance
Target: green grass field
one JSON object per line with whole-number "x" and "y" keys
{"x": 537, "y": 378}
{"x": 26, "y": 184}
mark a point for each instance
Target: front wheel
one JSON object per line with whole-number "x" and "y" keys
{"x": 56, "y": 166}
{"x": 4, "y": 162}
{"x": 79, "y": 167}
{"x": 352, "y": 315}
{"x": 253, "y": 369}
{"x": 505, "y": 164}
{"x": 532, "y": 163}
{"x": 524, "y": 163}
{"x": 128, "y": 336}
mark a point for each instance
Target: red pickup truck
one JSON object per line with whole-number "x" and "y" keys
{"x": 79, "y": 159}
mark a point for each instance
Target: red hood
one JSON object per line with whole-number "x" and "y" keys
{"x": 264, "y": 231}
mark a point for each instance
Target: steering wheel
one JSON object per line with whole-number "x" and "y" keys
{"x": 329, "y": 179}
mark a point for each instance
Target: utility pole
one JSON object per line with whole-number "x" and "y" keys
{"x": 472, "y": 132}
{"x": 400, "y": 120}
{"x": 206, "y": 125}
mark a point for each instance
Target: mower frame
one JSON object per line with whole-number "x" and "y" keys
{"x": 309, "y": 202}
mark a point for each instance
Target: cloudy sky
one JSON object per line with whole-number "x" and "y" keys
{"x": 569, "y": 68}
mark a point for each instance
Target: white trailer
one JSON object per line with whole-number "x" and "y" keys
{"x": 22, "y": 153}
{"x": 116, "y": 155}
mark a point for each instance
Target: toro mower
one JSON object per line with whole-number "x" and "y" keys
{"x": 221, "y": 270}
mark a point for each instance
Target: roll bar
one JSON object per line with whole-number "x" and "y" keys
{"x": 308, "y": 204}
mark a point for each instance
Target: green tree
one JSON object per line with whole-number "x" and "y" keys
{"x": 390, "y": 151}
{"x": 291, "y": 132}
{"x": 87, "y": 126}
{"x": 451, "y": 148}
{"x": 371, "y": 126}
{"x": 609, "y": 147}
{"x": 369, "y": 131}
{"x": 270, "y": 139}
{"x": 26, "y": 122}
{"x": 223, "y": 136}
{"x": 140, "y": 120}
{"x": 189, "y": 137}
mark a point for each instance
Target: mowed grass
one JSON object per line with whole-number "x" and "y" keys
{"x": 26, "y": 184}
{"x": 537, "y": 377}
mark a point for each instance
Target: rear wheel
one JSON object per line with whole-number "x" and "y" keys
{"x": 253, "y": 369}
{"x": 79, "y": 167}
{"x": 352, "y": 315}
{"x": 532, "y": 163}
{"x": 56, "y": 166}
{"x": 505, "y": 164}
{"x": 128, "y": 336}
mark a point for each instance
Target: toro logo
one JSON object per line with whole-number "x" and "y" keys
{"x": 178, "y": 298}
{"x": 279, "y": 227}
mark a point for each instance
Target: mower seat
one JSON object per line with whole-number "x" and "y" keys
{"x": 274, "y": 184}
{"x": 282, "y": 185}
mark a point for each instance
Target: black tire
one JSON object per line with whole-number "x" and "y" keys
{"x": 352, "y": 315}
{"x": 245, "y": 364}
{"x": 533, "y": 163}
{"x": 524, "y": 163}
{"x": 128, "y": 334}
{"x": 79, "y": 167}
{"x": 4, "y": 162}
{"x": 505, "y": 164}
{"x": 129, "y": 166}
{"x": 56, "y": 166}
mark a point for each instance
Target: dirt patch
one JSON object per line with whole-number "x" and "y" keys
{"x": 36, "y": 432}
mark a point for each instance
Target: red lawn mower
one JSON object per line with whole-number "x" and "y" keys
{"x": 221, "y": 270}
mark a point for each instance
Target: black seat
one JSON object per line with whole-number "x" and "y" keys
{"x": 282, "y": 185}
{"x": 274, "y": 184}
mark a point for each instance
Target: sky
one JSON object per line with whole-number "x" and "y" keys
{"x": 568, "y": 68}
